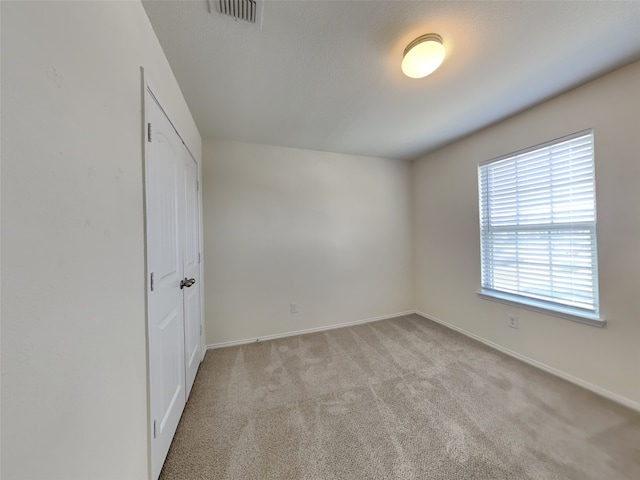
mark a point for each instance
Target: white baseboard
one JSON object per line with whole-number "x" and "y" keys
{"x": 577, "y": 381}
{"x": 307, "y": 330}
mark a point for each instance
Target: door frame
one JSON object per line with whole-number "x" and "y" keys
{"x": 147, "y": 86}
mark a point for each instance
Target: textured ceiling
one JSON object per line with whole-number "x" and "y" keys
{"x": 325, "y": 75}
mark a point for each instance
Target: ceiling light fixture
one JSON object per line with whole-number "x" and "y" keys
{"x": 423, "y": 56}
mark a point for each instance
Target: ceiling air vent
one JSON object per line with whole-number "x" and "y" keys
{"x": 247, "y": 10}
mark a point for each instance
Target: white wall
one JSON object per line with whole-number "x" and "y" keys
{"x": 447, "y": 252}
{"x": 74, "y": 398}
{"x": 330, "y": 232}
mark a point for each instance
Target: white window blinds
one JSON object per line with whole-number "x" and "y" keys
{"x": 538, "y": 224}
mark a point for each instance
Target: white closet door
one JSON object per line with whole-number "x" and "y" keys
{"x": 191, "y": 262}
{"x": 164, "y": 193}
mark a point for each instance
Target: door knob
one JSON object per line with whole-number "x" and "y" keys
{"x": 187, "y": 282}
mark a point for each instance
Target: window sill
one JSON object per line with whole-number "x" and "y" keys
{"x": 568, "y": 313}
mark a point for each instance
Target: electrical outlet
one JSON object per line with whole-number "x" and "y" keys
{"x": 513, "y": 321}
{"x": 294, "y": 308}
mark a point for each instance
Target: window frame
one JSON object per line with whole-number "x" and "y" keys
{"x": 548, "y": 307}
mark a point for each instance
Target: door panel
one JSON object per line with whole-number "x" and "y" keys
{"x": 173, "y": 393}
{"x": 163, "y": 168}
{"x": 191, "y": 262}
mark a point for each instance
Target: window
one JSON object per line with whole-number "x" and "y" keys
{"x": 538, "y": 227}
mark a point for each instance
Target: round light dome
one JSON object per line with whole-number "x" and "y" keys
{"x": 423, "y": 56}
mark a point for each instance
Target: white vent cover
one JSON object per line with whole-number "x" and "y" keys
{"x": 247, "y": 10}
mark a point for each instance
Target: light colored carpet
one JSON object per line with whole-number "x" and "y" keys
{"x": 396, "y": 399}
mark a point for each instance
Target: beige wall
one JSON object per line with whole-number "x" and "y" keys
{"x": 330, "y": 232}
{"x": 447, "y": 252}
{"x": 74, "y": 396}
